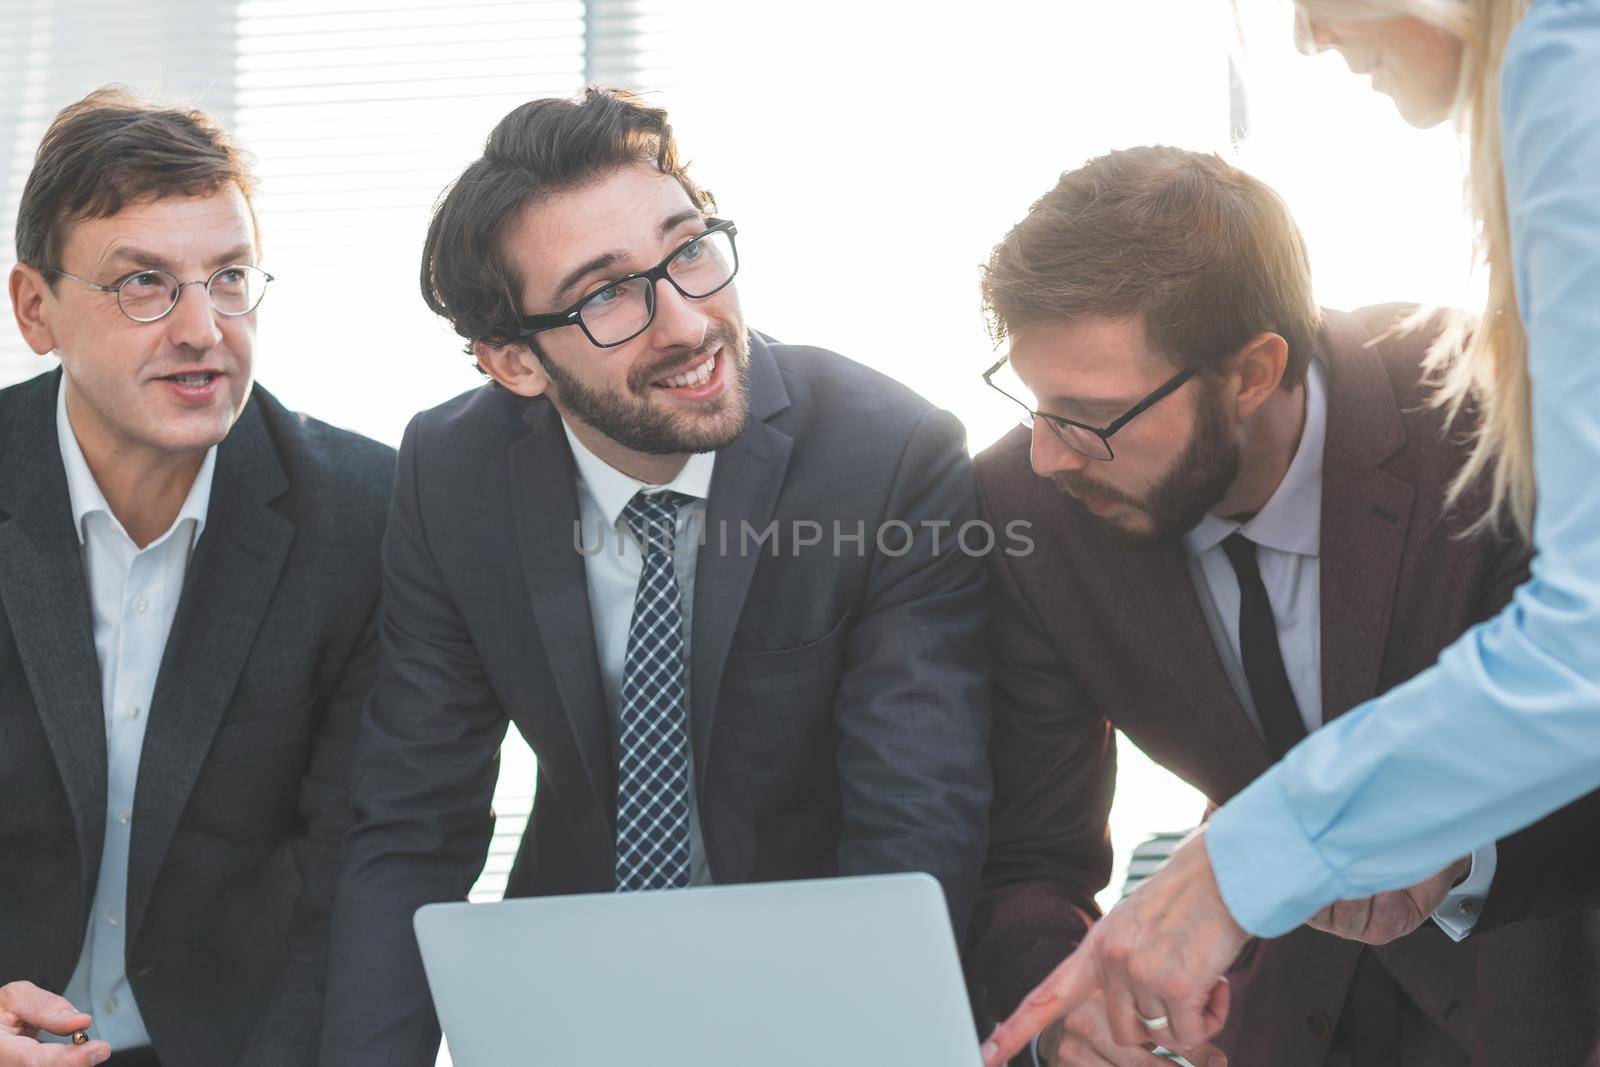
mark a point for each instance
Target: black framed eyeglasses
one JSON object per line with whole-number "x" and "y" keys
{"x": 621, "y": 310}
{"x": 1091, "y": 441}
{"x": 148, "y": 295}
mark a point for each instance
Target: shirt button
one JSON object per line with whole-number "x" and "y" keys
{"x": 133, "y": 712}
{"x": 123, "y": 816}
{"x": 140, "y": 604}
{"x": 114, "y": 918}
{"x": 1467, "y": 905}
{"x": 112, "y": 1004}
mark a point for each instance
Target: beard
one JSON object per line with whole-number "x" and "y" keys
{"x": 632, "y": 419}
{"x": 1197, "y": 482}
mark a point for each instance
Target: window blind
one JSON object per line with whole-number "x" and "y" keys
{"x": 359, "y": 113}
{"x": 52, "y": 53}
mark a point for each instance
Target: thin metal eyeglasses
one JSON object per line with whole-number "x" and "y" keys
{"x": 623, "y": 309}
{"x": 1091, "y": 441}
{"x": 148, "y": 295}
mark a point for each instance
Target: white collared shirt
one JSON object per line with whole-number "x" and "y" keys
{"x": 1287, "y": 533}
{"x": 613, "y": 564}
{"x": 133, "y": 596}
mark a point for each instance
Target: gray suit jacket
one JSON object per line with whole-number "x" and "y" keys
{"x": 240, "y": 804}
{"x": 839, "y": 700}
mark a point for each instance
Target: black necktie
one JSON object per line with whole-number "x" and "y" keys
{"x": 1263, "y": 659}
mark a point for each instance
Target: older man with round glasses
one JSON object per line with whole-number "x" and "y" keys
{"x": 189, "y": 581}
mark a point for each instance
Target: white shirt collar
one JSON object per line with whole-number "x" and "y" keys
{"x": 612, "y": 489}
{"x": 84, "y": 492}
{"x": 1291, "y": 520}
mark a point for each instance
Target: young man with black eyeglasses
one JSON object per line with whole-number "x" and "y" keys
{"x": 1237, "y": 505}
{"x": 189, "y": 583}
{"x": 711, "y": 578}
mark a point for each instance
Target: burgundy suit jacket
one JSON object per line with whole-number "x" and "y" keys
{"x": 1093, "y": 634}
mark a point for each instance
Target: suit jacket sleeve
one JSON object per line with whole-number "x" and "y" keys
{"x": 1054, "y": 758}
{"x": 425, "y": 773}
{"x": 1552, "y": 866}
{"x": 912, "y": 706}
{"x": 290, "y": 1024}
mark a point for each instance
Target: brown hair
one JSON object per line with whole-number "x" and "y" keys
{"x": 1209, "y": 255}
{"x": 543, "y": 146}
{"x": 111, "y": 148}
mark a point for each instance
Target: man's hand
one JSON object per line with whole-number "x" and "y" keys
{"x": 1158, "y": 956}
{"x": 1378, "y": 920}
{"x": 25, "y": 1009}
{"x": 1083, "y": 1039}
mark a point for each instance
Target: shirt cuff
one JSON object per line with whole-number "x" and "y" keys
{"x": 1269, "y": 871}
{"x": 1458, "y": 912}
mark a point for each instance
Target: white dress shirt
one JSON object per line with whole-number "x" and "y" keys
{"x": 1287, "y": 535}
{"x": 133, "y": 596}
{"x": 613, "y": 564}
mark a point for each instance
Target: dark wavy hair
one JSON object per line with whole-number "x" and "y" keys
{"x": 544, "y": 146}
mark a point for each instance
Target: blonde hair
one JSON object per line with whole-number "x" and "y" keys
{"x": 1478, "y": 359}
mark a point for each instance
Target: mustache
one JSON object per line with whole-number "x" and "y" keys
{"x": 1079, "y": 486}
{"x": 720, "y": 334}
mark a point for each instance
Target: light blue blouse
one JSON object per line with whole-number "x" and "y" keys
{"x": 1506, "y": 726}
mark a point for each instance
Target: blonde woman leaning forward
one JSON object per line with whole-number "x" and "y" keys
{"x": 1506, "y": 726}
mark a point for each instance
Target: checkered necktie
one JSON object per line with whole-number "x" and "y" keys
{"x": 653, "y": 769}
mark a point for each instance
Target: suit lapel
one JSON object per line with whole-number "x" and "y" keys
{"x": 46, "y": 599}
{"x": 744, "y": 489}
{"x": 230, "y": 582}
{"x": 1161, "y": 583}
{"x": 1366, "y": 512}
{"x": 544, "y": 492}
{"x": 544, "y": 501}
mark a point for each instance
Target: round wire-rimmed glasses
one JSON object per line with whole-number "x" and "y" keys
{"x": 148, "y": 295}
{"x": 1081, "y": 437}
{"x": 623, "y": 309}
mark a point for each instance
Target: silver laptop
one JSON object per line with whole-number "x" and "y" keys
{"x": 845, "y": 972}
